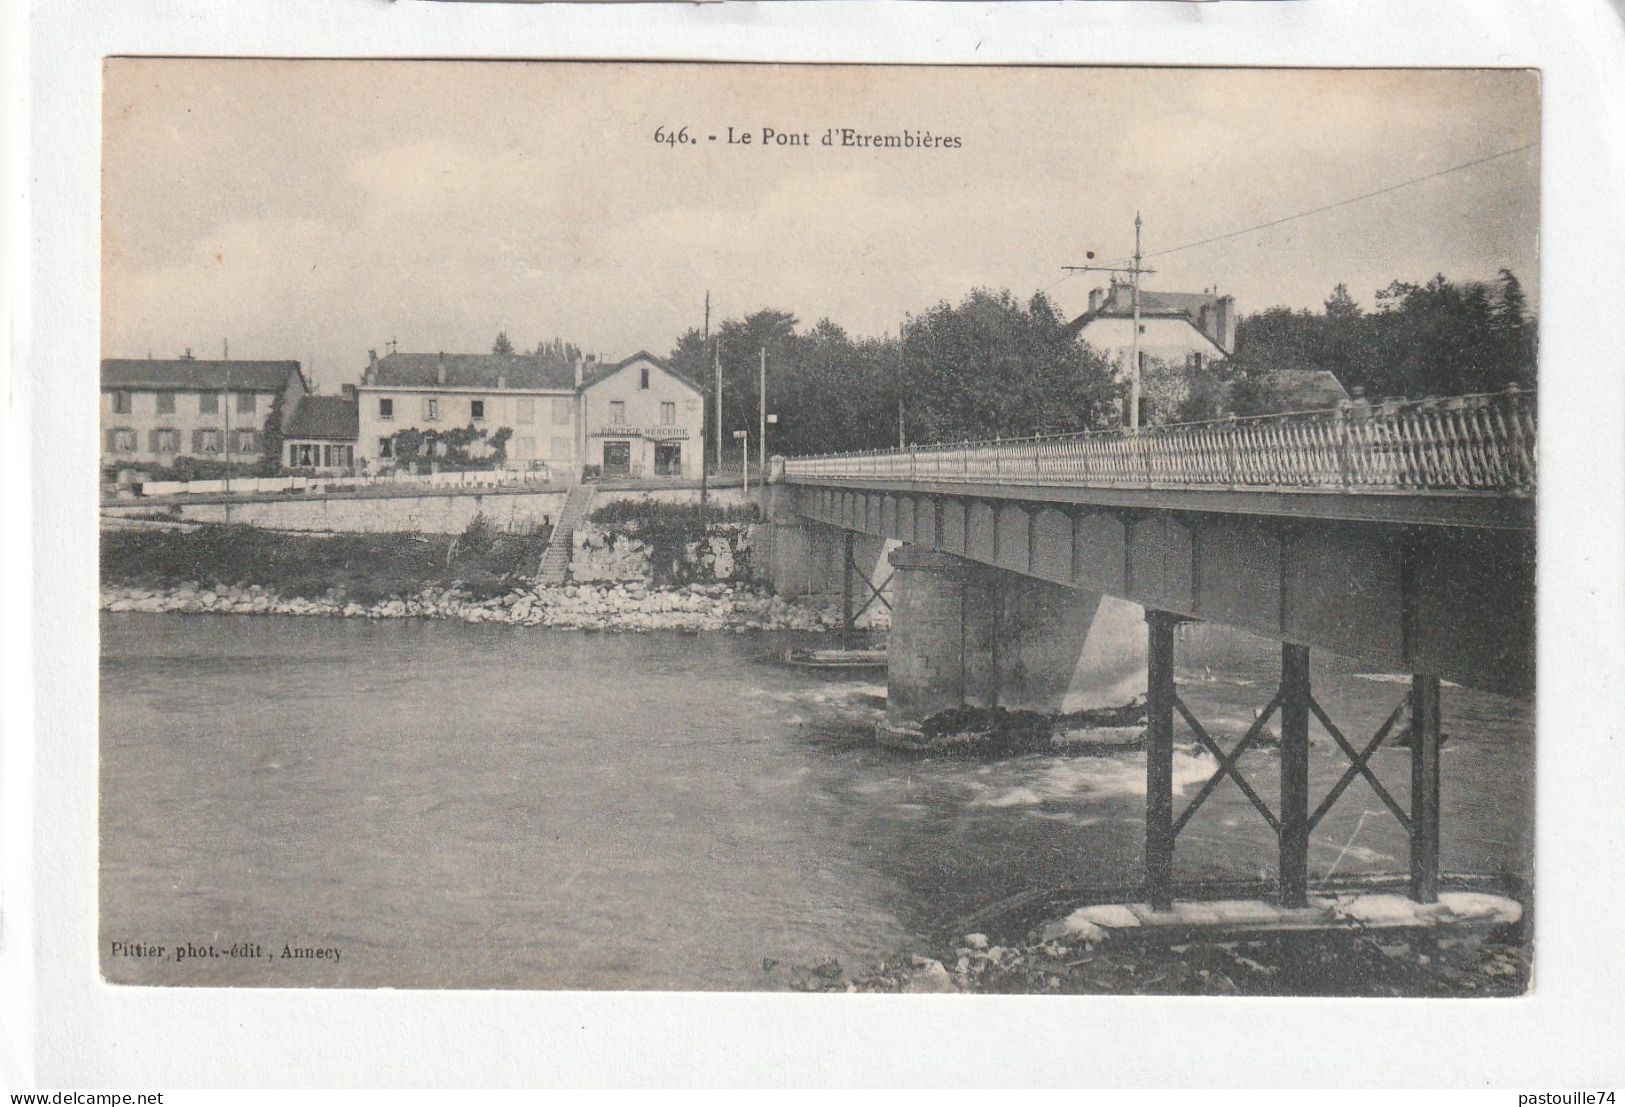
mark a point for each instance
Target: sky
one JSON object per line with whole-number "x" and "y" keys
{"x": 317, "y": 209}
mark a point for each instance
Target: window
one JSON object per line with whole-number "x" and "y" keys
{"x": 121, "y": 405}
{"x": 476, "y": 409}
{"x": 561, "y": 448}
{"x": 208, "y": 403}
{"x": 124, "y": 440}
{"x": 561, "y": 413}
{"x": 527, "y": 411}
{"x": 166, "y": 403}
{"x": 386, "y": 407}
{"x": 643, "y": 378}
{"x": 247, "y": 442}
{"x": 431, "y": 408}
{"x": 617, "y": 412}
{"x": 327, "y": 456}
{"x": 386, "y": 447}
{"x": 246, "y": 402}
{"x": 347, "y": 456}
{"x": 166, "y": 441}
{"x": 668, "y": 414}
{"x": 206, "y": 441}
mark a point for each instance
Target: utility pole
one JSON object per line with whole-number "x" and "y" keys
{"x": 1135, "y": 271}
{"x": 1134, "y": 387}
{"x": 705, "y": 348}
{"x": 226, "y": 445}
{"x": 902, "y": 333}
{"x": 717, "y": 355}
{"x": 761, "y": 441}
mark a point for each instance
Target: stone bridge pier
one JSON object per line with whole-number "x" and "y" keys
{"x": 966, "y": 634}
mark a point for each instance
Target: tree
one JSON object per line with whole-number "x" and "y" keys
{"x": 1434, "y": 339}
{"x": 502, "y": 346}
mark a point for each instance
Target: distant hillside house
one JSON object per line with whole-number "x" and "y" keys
{"x": 155, "y": 411}
{"x": 321, "y": 433}
{"x": 1188, "y": 329}
{"x": 631, "y": 418}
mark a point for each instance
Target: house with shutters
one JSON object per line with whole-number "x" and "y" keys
{"x": 156, "y": 411}
{"x": 320, "y": 434}
{"x": 633, "y": 418}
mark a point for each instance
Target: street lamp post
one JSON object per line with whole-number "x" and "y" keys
{"x": 744, "y": 456}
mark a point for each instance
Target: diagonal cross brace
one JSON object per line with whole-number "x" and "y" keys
{"x": 874, "y": 594}
{"x": 1227, "y": 764}
{"x": 1358, "y": 766}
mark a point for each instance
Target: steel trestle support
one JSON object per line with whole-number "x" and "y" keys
{"x": 1295, "y": 822}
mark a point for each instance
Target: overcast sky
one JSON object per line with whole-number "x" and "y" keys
{"x": 314, "y": 209}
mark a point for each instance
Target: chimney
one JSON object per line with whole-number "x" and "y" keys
{"x": 187, "y": 356}
{"x": 348, "y": 392}
{"x": 440, "y": 368}
{"x": 502, "y": 379}
{"x": 578, "y": 364}
{"x": 1096, "y": 297}
{"x": 1224, "y": 323}
{"x": 371, "y": 375}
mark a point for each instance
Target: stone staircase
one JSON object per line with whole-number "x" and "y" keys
{"x": 556, "y": 561}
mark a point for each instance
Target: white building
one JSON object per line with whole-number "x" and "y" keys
{"x": 1187, "y": 329}
{"x": 633, "y": 418}
{"x": 642, "y": 419}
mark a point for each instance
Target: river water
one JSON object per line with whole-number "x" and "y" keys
{"x": 504, "y": 807}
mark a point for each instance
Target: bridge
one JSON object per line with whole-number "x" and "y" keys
{"x": 1399, "y": 533}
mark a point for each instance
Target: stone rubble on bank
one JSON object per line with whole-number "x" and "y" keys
{"x": 614, "y": 553}
{"x": 629, "y": 606}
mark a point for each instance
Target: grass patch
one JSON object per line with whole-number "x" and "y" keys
{"x": 364, "y": 568}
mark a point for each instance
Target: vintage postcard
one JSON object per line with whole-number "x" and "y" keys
{"x": 761, "y": 527}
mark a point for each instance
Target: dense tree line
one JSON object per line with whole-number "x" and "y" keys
{"x": 1441, "y": 338}
{"x": 991, "y": 366}
{"x": 986, "y": 367}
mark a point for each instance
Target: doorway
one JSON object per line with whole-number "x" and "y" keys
{"x": 668, "y": 459}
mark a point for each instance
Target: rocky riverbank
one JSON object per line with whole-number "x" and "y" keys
{"x": 631, "y": 606}
{"x": 1462, "y": 964}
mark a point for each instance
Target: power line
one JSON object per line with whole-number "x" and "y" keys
{"x": 1344, "y": 203}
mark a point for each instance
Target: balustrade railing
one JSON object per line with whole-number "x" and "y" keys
{"x": 1483, "y": 443}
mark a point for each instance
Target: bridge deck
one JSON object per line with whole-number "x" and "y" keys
{"x": 1492, "y": 510}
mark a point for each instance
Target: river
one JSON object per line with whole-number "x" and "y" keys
{"x": 487, "y": 806}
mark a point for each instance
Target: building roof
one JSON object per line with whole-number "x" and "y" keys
{"x": 1306, "y": 389}
{"x": 196, "y": 373}
{"x": 1199, "y": 309}
{"x": 603, "y": 370}
{"x": 525, "y": 372}
{"x": 333, "y": 417}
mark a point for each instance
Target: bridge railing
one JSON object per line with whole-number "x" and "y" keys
{"x": 1461, "y": 443}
